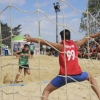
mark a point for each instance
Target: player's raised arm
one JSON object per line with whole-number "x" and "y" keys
{"x": 47, "y": 43}
{"x": 81, "y": 42}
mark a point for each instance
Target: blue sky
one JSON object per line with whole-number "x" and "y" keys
{"x": 48, "y": 29}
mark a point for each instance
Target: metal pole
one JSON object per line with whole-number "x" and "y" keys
{"x": 38, "y": 20}
{"x": 56, "y": 27}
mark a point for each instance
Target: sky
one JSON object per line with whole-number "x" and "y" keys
{"x": 29, "y": 23}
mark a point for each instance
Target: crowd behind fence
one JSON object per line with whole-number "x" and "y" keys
{"x": 92, "y": 52}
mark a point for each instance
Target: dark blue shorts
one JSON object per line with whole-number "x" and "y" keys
{"x": 61, "y": 81}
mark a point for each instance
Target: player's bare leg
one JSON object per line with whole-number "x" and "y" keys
{"x": 17, "y": 76}
{"x": 94, "y": 85}
{"x": 27, "y": 71}
{"x": 50, "y": 88}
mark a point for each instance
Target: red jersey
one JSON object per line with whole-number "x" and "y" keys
{"x": 72, "y": 66}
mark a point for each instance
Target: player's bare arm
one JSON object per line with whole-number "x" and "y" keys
{"x": 16, "y": 53}
{"x": 47, "y": 43}
{"x": 81, "y": 42}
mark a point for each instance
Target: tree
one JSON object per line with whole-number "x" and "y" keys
{"x": 94, "y": 9}
{"x": 6, "y": 32}
{"x": 16, "y": 30}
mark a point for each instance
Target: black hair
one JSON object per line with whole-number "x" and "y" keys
{"x": 67, "y": 34}
{"x": 26, "y": 45}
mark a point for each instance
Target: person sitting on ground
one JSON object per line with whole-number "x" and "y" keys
{"x": 92, "y": 54}
{"x": 23, "y": 56}
{"x": 98, "y": 52}
{"x": 86, "y": 53}
{"x": 68, "y": 64}
{"x": 82, "y": 51}
{"x": 79, "y": 52}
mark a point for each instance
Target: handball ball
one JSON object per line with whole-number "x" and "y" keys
{"x": 27, "y": 35}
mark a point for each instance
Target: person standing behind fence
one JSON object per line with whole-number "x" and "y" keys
{"x": 20, "y": 46}
{"x": 27, "y": 35}
{"x": 41, "y": 49}
{"x": 6, "y": 50}
{"x": 31, "y": 47}
{"x": 44, "y": 49}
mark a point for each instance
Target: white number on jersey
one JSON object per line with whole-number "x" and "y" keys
{"x": 70, "y": 55}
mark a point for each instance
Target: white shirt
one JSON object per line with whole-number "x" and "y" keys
{"x": 44, "y": 46}
{"x": 6, "y": 48}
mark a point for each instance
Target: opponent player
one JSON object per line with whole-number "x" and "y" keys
{"x": 70, "y": 65}
{"x": 23, "y": 56}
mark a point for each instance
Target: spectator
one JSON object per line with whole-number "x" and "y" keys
{"x": 83, "y": 51}
{"x": 92, "y": 53}
{"x": 48, "y": 50}
{"x": 6, "y": 50}
{"x": 98, "y": 52}
{"x": 31, "y": 47}
{"x": 94, "y": 50}
{"x": 41, "y": 49}
{"x": 79, "y": 52}
{"x": 52, "y": 51}
{"x": 27, "y": 35}
{"x": 19, "y": 46}
{"x": 86, "y": 52}
{"x": 44, "y": 49}
{"x": 94, "y": 46}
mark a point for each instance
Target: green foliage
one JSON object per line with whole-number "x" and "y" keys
{"x": 6, "y": 32}
{"x": 94, "y": 9}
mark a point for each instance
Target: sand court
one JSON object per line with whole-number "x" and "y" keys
{"x": 29, "y": 86}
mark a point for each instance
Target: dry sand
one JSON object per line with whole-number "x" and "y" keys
{"x": 76, "y": 91}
